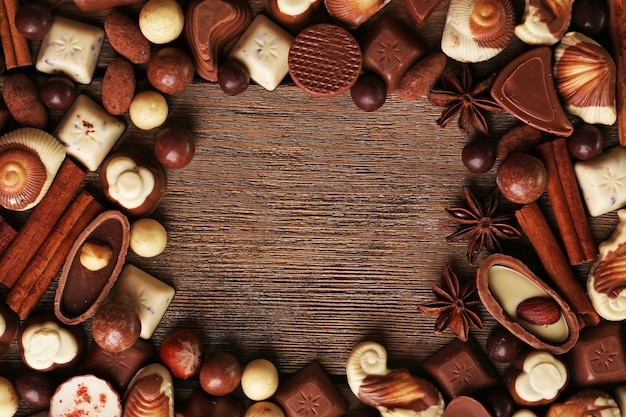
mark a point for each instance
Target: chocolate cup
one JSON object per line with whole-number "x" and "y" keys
{"x": 495, "y": 308}
{"x": 289, "y": 21}
{"x": 81, "y": 291}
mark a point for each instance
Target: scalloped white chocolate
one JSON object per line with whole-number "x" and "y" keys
{"x": 585, "y": 77}
{"x": 477, "y": 30}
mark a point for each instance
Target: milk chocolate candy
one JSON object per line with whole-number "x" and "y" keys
{"x": 504, "y": 283}
{"x": 588, "y": 402}
{"x": 598, "y": 357}
{"x": 324, "y": 60}
{"x": 311, "y": 382}
{"x": 293, "y": 14}
{"x": 420, "y": 10}
{"x": 95, "y": 5}
{"x": 150, "y": 393}
{"x": 389, "y": 50}
{"x": 461, "y": 368}
{"x": 525, "y": 88}
{"x": 464, "y": 406}
{"x": 201, "y": 404}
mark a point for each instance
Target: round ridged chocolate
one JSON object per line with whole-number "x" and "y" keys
{"x": 324, "y": 60}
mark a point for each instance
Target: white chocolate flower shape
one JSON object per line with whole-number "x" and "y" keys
{"x": 47, "y": 344}
{"x": 129, "y": 184}
{"x": 606, "y": 284}
{"x": 542, "y": 377}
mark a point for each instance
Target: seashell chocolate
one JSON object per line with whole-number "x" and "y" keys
{"x": 477, "y": 30}
{"x": 150, "y": 393}
{"x": 584, "y": 74}
{"x": 544, "y": 22}
{"x": 353, "y": 13}
{"x": 504, "y": 283}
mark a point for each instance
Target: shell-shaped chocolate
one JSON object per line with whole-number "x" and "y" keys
{"x": 585, "y": 77}
{"x": 29, "y": 161}
{"x": 477, "y": 30}
{"x": 81, "y": 291}
{"x": 353, "y": 13}
{"x": 150, "y": 393}
{"x": 544, "y": 22}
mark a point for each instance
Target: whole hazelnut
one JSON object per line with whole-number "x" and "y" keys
{"x": 115, "y": 326}
{"x": 170, "y": 70}
{"x": 521, "y": 178}
{"x": 220, "y": 374}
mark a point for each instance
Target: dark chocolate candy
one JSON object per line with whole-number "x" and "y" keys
{"x": 598, "y": 356}
{"x": 310, "y": 392}
{"x": 324, "y": 60}
{"x": 117, "y": 367}
{"x": 464, "y": 406}
{"x": 389, "y": 50}
{"x": 461, "y": 368}
{"x": 201, "y": 404}
{"x": 525, "y": 88}
{"x": 94, "y": 5}
{"x": 419, "y": 10}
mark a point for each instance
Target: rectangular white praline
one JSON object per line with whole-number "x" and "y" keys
{"x": 602, "y": 181}
{"x": 149, "y": 296}
{"x": 70, "y": 48}
{"x": 264, "y": 50}
{"x": 88, "y": 132}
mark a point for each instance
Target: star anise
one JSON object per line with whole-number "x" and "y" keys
{"x": 465, "y": 99}
{"x": 481, "y": 227}
{"x": 454, "y": 306}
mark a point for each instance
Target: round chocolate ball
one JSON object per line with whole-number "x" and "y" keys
{"x": 502, "y": 345}
{"x": 58, "y": 93}
{"x": 232, "y": 77}
{"x": 586, "y": 142}
{"x": 115, "y": 326}
{"x": 498, "y": 402}
{"x": 33, "y": 20}
{"x": 369, "y": 93}
{"x": 521, "y": 178}
{"x": 170, "y": 70}
{"x": 220, "y": 374}
{"x": 35, "y": 388}
{"x": 174, "y": 147}
{"x": 479, "y": 155}
{"x": 590, "y": 17}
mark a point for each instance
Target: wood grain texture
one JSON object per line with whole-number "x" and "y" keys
{"x": 304, "y": 226}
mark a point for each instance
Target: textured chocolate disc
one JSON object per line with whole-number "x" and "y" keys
{"x": 324, "y": 60}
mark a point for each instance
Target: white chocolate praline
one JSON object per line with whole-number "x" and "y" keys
{"x": 161, "y": 21}
{"x": 601, "y": 181}
{"x": 510, "y": 288}
{"x": 9, "y": 401}
{"x": 264, "y": 409}
{"x": 294, "y": 7}
{"x": 611, "y": 307}
{"x": 88, "y": 132}
{"x": 149, "y": 296}
{"x": 128, "y": 184}
{"x": 259, "y": 380}
{"x": 47, "y": 344}
{"x": 148, "y": 110}
{"x": 524, "y": 412}
{"x": 148, "y": 237}
{"x": 543, "y": 376}
{"x": 535, "y": 30}
{"x": 263, "y": 50}
{"x": 70, "y": 48}
{"x": 85, "y": 395}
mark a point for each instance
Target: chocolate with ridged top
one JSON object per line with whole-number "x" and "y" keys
{"x": 464, "y": 406}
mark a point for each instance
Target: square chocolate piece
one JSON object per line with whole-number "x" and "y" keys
{"x": 461, "y": 368}
{"x": 598, "y": 355}
{"x": 310, "y": 393}
{"x": 390, "y": 50}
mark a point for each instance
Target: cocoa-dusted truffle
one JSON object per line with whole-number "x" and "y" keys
{"x": 521, "y": 178}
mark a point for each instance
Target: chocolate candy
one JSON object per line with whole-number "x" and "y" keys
{"x": 464, "y": 406}
{"x": 220, "y": 374}
{"x": 170, "y": 70}
{"x": 311, "y": 383}
{"x": 35, "y": 388}
{"x": 502, "y": 345}
{"x": 461, "y": 368}
{"x": 94, "y": 5}
{"x": 74, "y": 398}
{"x": 599, "y": 357}
{"x": 525, "y": 88}
{"x": 9, "y": 326}
{"x": 293, "y": 15}
{"x": 324, "y": 60}
{"x": 117, "y": 367}
{"x": 420, "y": 10}
{"x": 522, "y": 178}
{"x": 150, "y": 393}
{"x": 115, "y": 326}
{"x": 201, "y": 404}
{"x": 389, "y": 50}
{"x": 81, "y": 289}
{"x": 369, "y": 92}
{"x": 587, "y": 402}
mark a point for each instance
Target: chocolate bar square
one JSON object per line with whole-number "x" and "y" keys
{"x": 598, "y": 355}
{"x": 310, "y": 393}
{"x": 461, "y": 368}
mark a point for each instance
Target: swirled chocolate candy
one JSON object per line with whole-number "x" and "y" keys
{"x": 324, "y": 60}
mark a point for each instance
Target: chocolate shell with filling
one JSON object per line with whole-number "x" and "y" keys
{"x": 150, "y": 393}
{"x": 92, "y": 267}
{"x": 504, "y": 283}
{"x": 293, "y": 14}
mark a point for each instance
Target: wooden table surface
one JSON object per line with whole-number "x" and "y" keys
{"x": 304, "y": 225}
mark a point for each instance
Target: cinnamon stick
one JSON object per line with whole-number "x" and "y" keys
{"x": 5, "y": 37}
{"x": 617, "y": 31}
{"x": 57, "y": 260}
{"x": 15, "y": 46}
{"x": 52, "y": 247}
{"x": 40, "y": 222}
{"x": 536, "y": 228}
{"x": 564, "y": 195}
{"x": 7, "y": 234}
